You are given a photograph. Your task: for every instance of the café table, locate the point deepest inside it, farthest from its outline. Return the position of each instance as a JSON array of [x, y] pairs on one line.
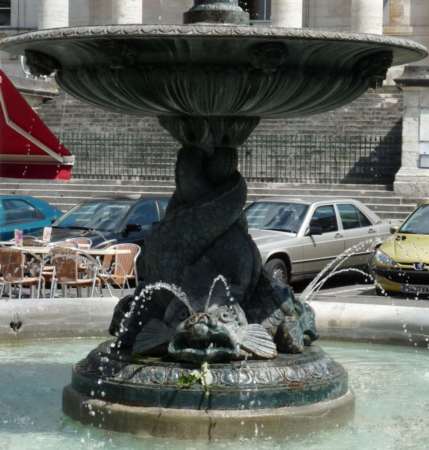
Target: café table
[[92, 252]]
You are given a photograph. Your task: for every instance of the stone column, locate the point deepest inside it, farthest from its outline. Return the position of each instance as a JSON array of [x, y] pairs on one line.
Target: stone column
[[114, 12], [287, 13], [412, 180], [53, 13], [127, 11], [367, 16]]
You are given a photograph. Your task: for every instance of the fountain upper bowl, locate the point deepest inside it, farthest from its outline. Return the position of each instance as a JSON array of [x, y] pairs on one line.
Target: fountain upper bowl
[[212, 70]]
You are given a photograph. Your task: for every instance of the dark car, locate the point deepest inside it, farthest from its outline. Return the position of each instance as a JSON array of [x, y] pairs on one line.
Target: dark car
[[119, 219], [25, 213]]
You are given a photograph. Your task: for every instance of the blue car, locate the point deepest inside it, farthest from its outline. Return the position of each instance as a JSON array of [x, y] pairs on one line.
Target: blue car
[[24, 213]]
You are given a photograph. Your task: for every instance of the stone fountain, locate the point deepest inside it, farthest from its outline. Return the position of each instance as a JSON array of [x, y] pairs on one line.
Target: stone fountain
[[209, 347]]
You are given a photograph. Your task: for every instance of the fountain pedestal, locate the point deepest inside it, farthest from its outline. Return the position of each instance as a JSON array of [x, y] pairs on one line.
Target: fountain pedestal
[[216, 11], [285, 396]]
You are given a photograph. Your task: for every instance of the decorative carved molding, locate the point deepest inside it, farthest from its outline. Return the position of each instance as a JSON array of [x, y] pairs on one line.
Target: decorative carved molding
[[415, 50], [292, 380]]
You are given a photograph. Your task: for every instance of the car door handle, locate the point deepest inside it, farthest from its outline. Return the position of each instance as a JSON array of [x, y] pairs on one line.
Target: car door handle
[[338, 235], [371, 231]]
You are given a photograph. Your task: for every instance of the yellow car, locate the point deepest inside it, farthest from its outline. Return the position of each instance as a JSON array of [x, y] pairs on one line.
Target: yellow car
[[401, 263]]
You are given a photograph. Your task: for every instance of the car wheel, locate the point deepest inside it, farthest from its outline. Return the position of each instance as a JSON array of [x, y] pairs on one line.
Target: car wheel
[[380, 292], [277, 270]]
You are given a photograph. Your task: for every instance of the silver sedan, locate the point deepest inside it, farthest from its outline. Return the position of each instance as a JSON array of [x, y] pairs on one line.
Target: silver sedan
[[297, 239]]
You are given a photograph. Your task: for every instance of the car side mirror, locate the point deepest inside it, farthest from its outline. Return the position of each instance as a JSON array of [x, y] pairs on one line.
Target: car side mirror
[[132, 228], [394, 229], [314, 230]]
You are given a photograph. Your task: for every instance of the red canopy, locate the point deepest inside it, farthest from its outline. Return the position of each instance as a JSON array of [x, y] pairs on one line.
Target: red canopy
[[28, 148]]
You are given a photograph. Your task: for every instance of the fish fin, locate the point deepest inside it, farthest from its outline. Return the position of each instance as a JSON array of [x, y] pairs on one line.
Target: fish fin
[[153, 334], [258, 341]]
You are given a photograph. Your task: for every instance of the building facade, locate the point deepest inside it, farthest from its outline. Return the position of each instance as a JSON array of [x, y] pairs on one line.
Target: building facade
[[398, 110]]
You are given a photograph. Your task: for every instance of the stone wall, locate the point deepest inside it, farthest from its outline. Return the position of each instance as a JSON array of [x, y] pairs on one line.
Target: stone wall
[[375, 113], [320, 148]]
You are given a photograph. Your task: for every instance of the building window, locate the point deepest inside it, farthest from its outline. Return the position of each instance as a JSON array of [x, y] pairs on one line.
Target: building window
[[5, 13], [259, 10], [386, 11]]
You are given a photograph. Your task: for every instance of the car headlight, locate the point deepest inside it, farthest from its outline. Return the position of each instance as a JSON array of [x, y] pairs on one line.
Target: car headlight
[[383, 259]]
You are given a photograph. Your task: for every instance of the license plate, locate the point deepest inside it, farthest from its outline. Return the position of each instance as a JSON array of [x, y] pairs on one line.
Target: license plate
[[414, 289]]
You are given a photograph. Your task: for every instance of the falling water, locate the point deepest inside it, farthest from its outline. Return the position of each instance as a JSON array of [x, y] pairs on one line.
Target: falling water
[[320, 284], [219, 278], [175, 290], [334, 265]]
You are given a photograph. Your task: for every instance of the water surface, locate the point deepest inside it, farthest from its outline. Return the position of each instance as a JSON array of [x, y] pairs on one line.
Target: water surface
[[391, 385]]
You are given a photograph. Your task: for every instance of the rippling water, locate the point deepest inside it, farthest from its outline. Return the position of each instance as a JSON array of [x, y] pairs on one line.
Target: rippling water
[[391, 385]]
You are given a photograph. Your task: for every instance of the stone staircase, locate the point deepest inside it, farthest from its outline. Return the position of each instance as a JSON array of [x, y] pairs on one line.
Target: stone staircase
[[380, 198]]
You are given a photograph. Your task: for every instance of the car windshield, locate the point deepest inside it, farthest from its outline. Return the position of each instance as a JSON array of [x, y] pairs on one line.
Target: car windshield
[[418, 223], [278, 216], [102, 216]]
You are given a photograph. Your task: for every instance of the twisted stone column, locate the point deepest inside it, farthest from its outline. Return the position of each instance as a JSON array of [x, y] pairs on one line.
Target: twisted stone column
[[204, 232]]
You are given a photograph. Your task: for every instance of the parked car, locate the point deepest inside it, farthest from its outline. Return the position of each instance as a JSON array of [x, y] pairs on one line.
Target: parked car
[[297, 239], [25, 213], [115, 219], [120, 219], [401, 263]]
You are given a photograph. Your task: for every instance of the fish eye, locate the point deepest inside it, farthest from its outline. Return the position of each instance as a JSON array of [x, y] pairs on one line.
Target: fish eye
[[183, 315], [226, 316]]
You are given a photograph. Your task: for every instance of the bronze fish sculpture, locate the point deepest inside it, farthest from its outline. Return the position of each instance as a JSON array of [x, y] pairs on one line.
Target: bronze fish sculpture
[[213, 330], [221, 333]]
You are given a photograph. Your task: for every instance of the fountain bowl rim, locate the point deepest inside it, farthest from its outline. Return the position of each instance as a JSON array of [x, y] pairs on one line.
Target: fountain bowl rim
[[17, 44]]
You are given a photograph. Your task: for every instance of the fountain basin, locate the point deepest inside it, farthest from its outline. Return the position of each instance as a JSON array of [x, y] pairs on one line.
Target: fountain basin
[[390, 385], [209, 85], [212, 70]]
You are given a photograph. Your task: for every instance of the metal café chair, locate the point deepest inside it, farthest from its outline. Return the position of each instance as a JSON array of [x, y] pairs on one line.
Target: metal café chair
[[68, 270], [15, 271], [119, 269], [49, 268]]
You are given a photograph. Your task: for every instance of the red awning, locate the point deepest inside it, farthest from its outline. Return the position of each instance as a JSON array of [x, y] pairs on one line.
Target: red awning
[[28, 148]]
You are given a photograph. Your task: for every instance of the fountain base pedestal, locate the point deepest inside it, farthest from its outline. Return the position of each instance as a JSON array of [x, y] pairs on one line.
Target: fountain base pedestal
[[285, 396]]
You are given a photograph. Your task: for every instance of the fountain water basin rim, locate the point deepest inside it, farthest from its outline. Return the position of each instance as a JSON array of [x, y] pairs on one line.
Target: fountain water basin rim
[[208, 425], [368, 318], [17, 43]]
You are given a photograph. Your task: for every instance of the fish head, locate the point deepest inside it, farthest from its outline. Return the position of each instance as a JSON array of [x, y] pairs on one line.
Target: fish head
[[211, 336]]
